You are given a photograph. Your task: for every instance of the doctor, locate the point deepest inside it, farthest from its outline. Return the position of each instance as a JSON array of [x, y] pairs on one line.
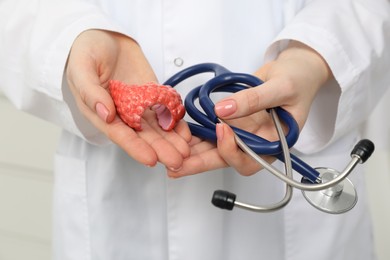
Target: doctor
[[112, 196]]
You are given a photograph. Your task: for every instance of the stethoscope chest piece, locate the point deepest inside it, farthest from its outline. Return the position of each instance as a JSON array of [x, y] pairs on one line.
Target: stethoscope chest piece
[[337, 199]]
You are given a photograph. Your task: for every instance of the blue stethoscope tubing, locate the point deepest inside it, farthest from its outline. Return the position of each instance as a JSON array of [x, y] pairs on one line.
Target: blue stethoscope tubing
[[226, 81]]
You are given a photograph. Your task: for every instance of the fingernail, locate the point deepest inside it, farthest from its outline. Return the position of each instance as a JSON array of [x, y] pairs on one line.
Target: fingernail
[[175, 169], [102, 111], [225, 108], [219, 130]]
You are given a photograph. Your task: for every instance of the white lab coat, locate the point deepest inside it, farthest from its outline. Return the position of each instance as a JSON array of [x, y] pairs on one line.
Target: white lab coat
[[106, 206]]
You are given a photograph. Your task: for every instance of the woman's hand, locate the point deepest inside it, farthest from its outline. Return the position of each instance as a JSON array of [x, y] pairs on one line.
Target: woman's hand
[[98, 56], [291, 81]]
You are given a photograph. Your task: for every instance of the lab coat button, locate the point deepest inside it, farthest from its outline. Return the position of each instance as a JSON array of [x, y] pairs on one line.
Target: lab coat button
[[178, 62]]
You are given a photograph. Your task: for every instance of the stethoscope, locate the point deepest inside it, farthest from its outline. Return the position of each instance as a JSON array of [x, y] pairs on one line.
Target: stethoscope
[[324, 188]]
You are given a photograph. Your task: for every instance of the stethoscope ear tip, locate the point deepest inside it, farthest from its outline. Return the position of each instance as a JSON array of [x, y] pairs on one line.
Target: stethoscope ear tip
[[363, 149], [223, 199]]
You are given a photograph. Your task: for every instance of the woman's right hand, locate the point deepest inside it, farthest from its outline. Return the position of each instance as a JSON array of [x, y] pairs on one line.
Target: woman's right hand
[[98, 56]]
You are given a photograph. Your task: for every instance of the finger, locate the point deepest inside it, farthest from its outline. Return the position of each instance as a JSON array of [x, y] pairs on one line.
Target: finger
[[204, 157], [170, 153], [175, 140], [201, 147], [232, 154], [129, 141], [195, 140], [183, 130], [270, 94], [199, 163]]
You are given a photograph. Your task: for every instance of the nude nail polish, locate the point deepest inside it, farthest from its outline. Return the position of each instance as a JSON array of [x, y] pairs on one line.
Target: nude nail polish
[[102, 111], [225, 108]]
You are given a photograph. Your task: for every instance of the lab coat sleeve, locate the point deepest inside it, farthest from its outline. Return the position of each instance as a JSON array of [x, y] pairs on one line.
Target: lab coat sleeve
[[35, 39], [353, 36]]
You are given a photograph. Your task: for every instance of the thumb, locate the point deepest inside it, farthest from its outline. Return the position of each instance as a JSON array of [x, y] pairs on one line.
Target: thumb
[[103, 106], [249, 101], [91, 95]]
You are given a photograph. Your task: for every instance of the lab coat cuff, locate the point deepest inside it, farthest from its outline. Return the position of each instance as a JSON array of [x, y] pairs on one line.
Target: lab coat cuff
[[318, 39], [60, 49]]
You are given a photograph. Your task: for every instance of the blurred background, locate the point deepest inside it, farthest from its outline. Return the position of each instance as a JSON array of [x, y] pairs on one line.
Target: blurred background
[[27, 145]]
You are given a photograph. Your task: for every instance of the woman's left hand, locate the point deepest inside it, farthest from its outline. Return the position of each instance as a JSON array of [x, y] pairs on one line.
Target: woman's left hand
[[291, 81]]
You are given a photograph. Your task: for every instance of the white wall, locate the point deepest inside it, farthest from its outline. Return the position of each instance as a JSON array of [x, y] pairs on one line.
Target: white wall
[[26, 148]]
